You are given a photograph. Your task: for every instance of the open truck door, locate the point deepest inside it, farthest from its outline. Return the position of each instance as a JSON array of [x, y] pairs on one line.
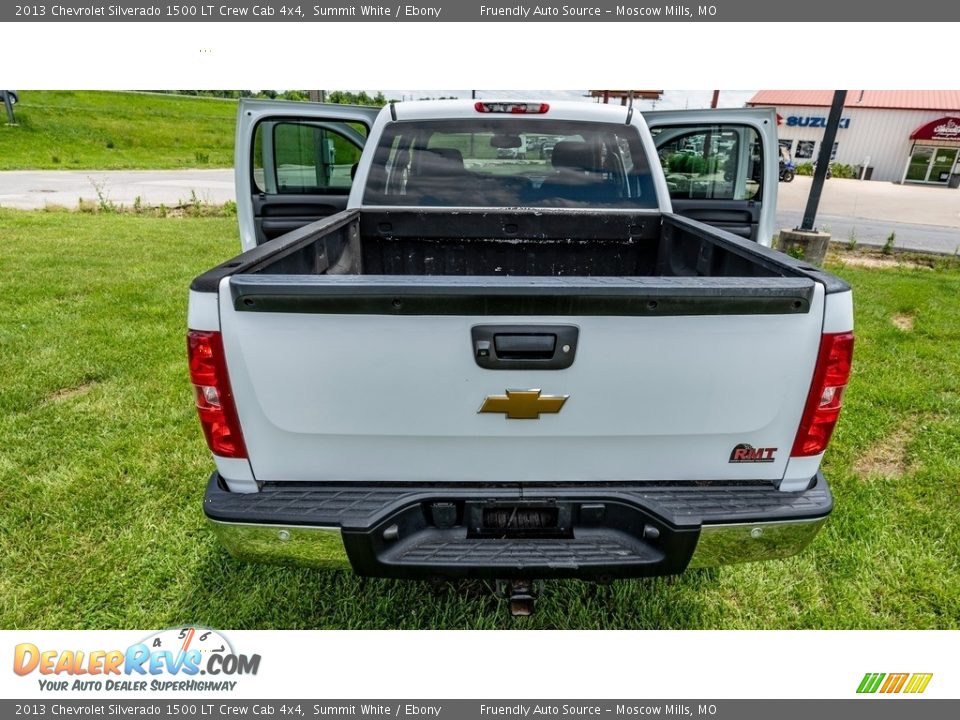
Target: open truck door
[[721, 167], [294, 163]]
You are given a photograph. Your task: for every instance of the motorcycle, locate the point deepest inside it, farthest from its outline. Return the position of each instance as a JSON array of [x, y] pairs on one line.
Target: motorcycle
[[788, 170]]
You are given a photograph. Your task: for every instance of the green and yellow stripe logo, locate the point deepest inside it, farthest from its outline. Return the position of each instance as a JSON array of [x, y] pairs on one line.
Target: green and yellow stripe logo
[[894, 683]]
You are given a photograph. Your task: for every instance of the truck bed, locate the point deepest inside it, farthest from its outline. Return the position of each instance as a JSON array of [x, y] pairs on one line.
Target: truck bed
[[519, 243]]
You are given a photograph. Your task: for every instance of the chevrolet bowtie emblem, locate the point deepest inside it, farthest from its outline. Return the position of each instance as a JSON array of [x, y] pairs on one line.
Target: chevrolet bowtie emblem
[[523, 404]]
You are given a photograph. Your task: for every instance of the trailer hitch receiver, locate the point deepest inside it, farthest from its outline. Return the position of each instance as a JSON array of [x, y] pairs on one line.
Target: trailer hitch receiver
[[521, 594]]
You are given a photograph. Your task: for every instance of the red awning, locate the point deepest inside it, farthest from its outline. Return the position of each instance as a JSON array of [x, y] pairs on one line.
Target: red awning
[[945, 128]]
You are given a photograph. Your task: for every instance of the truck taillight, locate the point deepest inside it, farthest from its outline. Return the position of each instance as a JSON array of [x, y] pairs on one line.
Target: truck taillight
[[822, 410], [211, 385], [513, 108]]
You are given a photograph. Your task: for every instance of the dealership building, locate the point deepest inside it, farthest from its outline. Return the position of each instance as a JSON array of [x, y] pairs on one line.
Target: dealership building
[[910, 136]]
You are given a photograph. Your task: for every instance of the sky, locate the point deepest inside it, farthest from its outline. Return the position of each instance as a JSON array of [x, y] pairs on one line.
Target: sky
[[671, 100]]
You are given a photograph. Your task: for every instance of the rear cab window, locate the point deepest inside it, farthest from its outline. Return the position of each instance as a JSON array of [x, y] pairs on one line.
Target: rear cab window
[[499, 162]]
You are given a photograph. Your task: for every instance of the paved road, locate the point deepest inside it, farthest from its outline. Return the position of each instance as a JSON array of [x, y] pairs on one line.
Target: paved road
[[910, 236], [911, 204], [924, 218], [29, 189]]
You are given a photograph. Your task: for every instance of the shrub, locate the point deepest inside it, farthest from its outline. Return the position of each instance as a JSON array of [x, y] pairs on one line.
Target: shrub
[[852, 239], [840, 170], [888, 245], [676, 162], [692, 164]]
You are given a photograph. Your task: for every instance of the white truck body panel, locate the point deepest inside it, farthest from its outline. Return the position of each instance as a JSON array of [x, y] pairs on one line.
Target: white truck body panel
[[388, 398], [236, 473], [838, 315], [203, 311]]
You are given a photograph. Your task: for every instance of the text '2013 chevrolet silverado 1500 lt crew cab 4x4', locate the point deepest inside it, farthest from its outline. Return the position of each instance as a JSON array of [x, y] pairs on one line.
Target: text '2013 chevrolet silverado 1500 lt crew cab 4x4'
[[437, 359]]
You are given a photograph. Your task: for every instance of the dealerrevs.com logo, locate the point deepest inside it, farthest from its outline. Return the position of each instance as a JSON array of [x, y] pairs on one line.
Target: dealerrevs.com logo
[[170, 660]]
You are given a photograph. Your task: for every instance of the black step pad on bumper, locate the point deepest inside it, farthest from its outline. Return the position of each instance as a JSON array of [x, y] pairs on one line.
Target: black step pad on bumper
[[559, 553], [604, 552], [610, 539], [357, 506]]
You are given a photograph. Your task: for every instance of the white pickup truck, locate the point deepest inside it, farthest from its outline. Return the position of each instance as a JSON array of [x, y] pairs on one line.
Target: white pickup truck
[[435, 361]]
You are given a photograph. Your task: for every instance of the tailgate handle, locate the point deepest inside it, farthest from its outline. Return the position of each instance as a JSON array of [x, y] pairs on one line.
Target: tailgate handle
[[524, 347]]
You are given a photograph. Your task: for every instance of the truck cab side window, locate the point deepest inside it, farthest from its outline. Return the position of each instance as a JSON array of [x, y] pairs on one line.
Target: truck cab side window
[[717, 161], [306, 157]]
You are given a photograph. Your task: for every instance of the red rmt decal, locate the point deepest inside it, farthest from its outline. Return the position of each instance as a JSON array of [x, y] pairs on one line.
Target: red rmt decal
[[744, 453]]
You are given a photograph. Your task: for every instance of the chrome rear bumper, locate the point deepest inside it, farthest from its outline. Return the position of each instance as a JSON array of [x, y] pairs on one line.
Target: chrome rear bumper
[[584, 530], [751, 542], [322, 547], [318, 547]]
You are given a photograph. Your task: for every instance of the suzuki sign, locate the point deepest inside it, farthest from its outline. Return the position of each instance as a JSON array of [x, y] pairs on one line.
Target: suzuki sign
[[813, 121]]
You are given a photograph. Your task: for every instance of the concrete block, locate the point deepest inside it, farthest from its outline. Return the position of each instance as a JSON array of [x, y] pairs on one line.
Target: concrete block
[[809, 245]]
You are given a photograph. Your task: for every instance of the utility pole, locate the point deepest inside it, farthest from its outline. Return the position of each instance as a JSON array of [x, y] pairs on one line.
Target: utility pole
[[823, 159], [805, 242], [716, 99]]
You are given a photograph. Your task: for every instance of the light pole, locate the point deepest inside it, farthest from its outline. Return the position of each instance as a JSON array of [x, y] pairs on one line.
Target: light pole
[[823, 159], [805, 242]]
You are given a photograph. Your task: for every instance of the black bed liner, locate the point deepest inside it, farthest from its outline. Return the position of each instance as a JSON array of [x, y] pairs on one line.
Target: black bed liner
[[424, 245]]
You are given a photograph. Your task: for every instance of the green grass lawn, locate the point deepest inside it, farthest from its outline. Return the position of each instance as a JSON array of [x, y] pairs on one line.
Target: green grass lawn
[[102, 467], [73, 130]]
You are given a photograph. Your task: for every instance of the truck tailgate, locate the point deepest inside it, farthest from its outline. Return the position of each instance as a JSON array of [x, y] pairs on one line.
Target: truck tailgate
[[366, 378]]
